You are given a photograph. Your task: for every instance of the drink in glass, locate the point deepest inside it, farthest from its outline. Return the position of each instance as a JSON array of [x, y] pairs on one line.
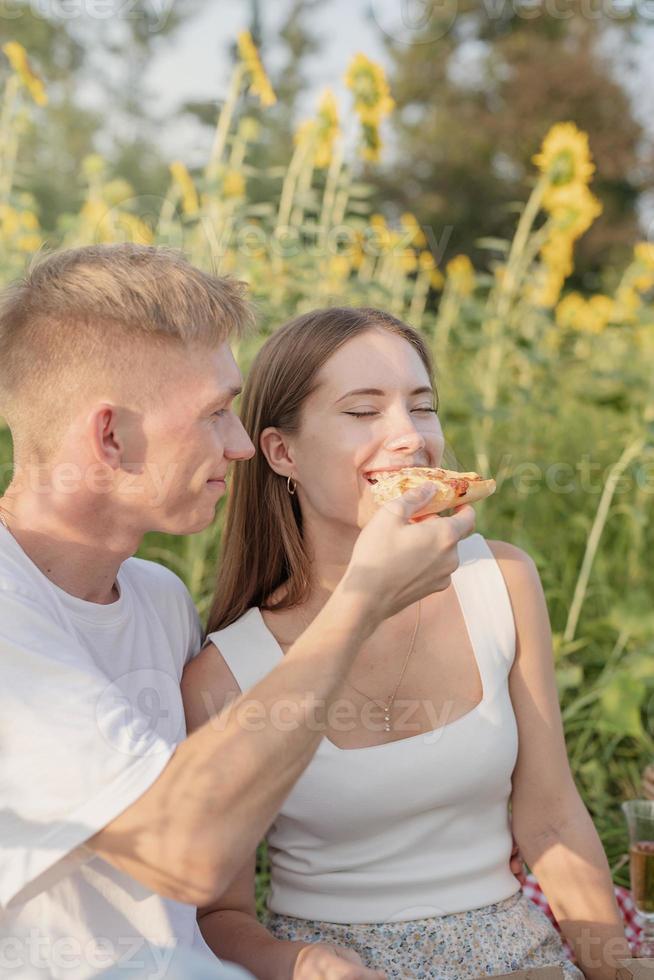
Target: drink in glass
[[639, 815]]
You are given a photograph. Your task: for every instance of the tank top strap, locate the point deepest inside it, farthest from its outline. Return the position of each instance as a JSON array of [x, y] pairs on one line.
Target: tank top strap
[[248, 648], [487, 611], [251, 651]]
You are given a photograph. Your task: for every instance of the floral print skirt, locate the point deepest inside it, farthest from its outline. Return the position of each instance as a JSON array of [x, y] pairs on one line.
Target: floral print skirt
[[509, 935]]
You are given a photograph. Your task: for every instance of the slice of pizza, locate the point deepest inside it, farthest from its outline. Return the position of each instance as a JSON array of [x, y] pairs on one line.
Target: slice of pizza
[[452, 488]]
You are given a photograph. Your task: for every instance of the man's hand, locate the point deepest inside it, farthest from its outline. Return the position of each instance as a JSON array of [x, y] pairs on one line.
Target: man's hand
[[397, 562], [321, 961]]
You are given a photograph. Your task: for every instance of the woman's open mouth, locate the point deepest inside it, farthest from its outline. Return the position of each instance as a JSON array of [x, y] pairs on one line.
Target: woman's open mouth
[[374, 476]]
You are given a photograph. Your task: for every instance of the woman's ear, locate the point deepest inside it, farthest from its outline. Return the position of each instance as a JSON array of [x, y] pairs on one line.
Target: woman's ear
[[274, 446]]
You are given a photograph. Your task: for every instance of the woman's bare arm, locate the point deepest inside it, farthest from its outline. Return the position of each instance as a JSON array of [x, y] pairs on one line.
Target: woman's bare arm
[[550, 822]]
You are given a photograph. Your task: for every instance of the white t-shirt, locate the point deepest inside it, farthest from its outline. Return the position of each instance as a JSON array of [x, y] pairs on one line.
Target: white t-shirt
[[90, 714]]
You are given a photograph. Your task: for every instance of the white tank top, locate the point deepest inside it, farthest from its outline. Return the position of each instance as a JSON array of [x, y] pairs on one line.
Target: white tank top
[[407, 829]]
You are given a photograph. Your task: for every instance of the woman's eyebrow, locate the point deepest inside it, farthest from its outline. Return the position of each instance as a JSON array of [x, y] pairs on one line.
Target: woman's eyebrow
[[424, 390]]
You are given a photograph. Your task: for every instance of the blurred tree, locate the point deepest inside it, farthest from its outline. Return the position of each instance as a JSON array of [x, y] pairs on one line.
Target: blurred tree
[[299, 43], [294, 43], [93, 68], [475, 96]]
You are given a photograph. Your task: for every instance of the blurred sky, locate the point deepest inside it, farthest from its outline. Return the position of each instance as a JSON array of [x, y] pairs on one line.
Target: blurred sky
[[195, 63]]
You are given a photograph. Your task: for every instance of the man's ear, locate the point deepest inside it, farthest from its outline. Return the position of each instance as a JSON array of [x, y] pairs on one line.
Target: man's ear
[[274, 445], [105, 435], [117, 438]]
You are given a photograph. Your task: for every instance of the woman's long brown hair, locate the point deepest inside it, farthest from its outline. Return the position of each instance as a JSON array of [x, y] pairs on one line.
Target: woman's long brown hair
[[262, 545]]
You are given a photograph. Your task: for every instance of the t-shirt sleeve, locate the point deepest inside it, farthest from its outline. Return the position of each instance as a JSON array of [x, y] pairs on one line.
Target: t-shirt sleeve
[[179, 612], [196, 632], [74, 751]]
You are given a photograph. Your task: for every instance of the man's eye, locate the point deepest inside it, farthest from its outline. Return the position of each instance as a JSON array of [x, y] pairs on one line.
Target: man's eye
[[360, 415], [219, 414]]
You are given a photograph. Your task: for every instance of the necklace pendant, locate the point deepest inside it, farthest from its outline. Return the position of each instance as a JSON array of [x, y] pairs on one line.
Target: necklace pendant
[[387, 720]]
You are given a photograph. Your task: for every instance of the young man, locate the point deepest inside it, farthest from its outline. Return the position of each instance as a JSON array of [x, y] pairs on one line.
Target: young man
[[117, 383]]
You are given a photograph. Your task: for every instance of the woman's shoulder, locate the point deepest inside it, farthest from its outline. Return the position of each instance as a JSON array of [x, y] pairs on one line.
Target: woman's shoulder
[[476, 546], [208, 683], [517, 567], [503, 551], [208, 686]]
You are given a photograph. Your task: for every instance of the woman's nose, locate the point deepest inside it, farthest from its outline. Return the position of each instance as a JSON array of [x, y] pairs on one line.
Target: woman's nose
[[409, 439]]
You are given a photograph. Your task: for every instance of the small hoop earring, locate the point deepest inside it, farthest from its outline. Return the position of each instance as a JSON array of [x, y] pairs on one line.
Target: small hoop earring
[[288, 486]]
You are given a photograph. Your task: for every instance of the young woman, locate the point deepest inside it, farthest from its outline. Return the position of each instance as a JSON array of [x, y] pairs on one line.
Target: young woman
[[395, 843]]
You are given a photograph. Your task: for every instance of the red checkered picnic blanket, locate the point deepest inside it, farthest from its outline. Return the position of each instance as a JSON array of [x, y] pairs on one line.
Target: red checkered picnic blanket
[[632, 930]]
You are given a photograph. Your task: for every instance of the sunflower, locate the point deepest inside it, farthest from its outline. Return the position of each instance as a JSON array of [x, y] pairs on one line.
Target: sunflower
[[29, 243], [248, 129], [116, 192], [644, 254], [565, 157], [259, 81], [137, 231], [546, 286], [93, 165], [427, 267], [378, 236], [9, 221], [628, 303], [367, 81], [372, 101], [20, 229], [556, 255], [233, 183], [327, 128], [339, 267], [19, 61], [566, 167], [569, 310], [585, 315], [639, 275], [408, 261], [322, 131], [410, 223], [461, 275], [573, 209], [184, 181]]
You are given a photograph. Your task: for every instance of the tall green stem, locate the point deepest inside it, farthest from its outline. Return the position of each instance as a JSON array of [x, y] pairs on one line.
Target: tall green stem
[[495, 325], [631, 452], [8, 139], [225, 119]]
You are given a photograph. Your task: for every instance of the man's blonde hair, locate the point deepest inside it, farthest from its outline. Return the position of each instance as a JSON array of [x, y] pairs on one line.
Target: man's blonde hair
[[94, 319]]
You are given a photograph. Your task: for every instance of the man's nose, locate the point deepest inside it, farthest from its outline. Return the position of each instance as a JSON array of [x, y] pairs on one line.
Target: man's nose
[[240, 445]]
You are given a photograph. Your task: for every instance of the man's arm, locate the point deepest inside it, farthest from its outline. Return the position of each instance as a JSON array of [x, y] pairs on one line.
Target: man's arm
[[192, 830], [229, 925], [189, 834]]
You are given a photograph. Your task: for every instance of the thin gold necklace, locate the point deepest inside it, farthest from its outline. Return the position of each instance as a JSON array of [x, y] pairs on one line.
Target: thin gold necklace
[[389, 704]]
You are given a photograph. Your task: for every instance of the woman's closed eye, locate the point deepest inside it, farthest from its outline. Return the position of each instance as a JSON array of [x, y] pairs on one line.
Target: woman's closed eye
[[361, 415]]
